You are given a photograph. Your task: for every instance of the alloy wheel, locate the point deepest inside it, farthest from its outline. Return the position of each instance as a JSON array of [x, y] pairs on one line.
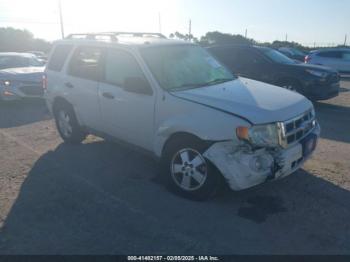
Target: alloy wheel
[[189, 169]]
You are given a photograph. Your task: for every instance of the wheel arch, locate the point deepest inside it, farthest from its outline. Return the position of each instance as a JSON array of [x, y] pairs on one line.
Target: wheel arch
[[61, 101], [177, 136]]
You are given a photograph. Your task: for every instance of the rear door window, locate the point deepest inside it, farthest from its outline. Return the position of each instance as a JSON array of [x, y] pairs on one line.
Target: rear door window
[[59, 57], [227, 56], [86, 63], [331, 54], [249, 58]]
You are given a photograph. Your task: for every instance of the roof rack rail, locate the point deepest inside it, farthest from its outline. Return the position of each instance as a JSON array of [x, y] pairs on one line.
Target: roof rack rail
[[139, 34], [93, 36]]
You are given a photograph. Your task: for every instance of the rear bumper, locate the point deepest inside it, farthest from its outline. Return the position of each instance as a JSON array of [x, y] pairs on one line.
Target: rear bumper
[[237, 165]]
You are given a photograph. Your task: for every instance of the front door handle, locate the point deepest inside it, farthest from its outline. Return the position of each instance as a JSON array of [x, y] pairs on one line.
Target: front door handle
[[69, 85], [108, 95]]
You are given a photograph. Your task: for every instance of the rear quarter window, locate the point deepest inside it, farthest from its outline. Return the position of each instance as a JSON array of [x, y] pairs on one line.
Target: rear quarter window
[[58, 57], [330, 54]]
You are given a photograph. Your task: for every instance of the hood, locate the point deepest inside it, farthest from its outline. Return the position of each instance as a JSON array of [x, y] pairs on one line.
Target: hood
[[258, 102], [22, 73]]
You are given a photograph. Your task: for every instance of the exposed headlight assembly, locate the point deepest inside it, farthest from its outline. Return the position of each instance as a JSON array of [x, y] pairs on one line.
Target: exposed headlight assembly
[[260, 135]]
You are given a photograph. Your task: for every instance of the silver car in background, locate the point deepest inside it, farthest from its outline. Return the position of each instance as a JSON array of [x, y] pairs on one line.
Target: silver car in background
[[336, 58], [21, 76]]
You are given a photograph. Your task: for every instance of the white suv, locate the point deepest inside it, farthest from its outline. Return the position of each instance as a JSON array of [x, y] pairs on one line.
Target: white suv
[[173, 99]]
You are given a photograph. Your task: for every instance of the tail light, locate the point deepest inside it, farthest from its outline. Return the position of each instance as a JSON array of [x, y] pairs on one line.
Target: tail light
[[44, 82], [307, 59]]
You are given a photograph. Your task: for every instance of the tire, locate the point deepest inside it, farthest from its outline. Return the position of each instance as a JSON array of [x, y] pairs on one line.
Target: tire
[[67, 124], [186, 170]]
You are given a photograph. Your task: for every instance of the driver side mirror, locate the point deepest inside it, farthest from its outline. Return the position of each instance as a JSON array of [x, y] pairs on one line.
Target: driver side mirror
[[138, 85]]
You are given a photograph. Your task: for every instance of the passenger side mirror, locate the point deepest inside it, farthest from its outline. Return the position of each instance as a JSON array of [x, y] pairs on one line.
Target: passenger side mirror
[[137, 85]]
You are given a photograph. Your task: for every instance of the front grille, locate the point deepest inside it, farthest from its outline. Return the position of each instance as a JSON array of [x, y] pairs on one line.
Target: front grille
[[296, 129], [32, 90]]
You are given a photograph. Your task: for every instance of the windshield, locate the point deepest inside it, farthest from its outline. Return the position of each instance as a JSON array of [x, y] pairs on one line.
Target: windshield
[[277, 56], [184, 67], [18, 61]]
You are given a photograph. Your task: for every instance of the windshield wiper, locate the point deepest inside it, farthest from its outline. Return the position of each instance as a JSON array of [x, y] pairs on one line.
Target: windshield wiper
[[218, 81], [196, 85], [188, 86]]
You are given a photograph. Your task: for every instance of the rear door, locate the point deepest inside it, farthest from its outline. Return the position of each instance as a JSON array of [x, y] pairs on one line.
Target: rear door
[[126, 115], [81, 84], [252, 65]]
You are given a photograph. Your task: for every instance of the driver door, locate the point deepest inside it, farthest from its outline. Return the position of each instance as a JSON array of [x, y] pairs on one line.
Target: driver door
[[126, 115]]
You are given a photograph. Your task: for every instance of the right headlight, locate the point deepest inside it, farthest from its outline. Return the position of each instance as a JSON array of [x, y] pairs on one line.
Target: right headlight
[[260, 135]]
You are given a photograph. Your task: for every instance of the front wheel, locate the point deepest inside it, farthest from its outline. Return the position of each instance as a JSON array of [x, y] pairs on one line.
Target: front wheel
[[188, 172]]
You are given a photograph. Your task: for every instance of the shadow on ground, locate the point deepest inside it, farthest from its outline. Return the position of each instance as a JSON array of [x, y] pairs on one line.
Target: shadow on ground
[[334, 121], [99, 198], [23, 112]]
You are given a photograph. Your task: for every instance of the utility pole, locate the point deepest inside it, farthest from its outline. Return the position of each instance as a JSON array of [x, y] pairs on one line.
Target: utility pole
[[246, 33], [346, 38], [286, 37], [190, 30], [61, 18], [159, 23]]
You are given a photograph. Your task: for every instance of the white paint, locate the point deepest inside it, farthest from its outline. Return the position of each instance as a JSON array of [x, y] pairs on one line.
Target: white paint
[[211, 113]]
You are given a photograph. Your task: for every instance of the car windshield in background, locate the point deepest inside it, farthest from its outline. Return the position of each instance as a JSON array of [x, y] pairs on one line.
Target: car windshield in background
[[18, 61], [184, 67], [277, 57], [297, 52]]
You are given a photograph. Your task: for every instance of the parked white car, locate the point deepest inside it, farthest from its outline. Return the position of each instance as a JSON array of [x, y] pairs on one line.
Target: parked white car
[[174, 100], [336, 58]]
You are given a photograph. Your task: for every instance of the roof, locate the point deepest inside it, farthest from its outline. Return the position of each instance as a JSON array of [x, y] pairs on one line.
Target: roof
[[125, 39], [331, 49]]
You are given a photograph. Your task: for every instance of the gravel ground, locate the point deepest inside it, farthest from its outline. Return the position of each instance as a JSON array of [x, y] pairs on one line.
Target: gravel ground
[[102, 198]]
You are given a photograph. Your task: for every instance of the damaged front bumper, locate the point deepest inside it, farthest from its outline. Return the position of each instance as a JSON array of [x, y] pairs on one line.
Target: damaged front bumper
[[245, 168]]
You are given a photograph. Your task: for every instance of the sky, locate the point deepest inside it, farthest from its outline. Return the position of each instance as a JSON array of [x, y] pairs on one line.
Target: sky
[[304, 21]]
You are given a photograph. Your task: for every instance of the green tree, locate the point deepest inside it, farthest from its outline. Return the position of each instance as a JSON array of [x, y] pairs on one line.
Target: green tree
[[218, 38], [17, 40]]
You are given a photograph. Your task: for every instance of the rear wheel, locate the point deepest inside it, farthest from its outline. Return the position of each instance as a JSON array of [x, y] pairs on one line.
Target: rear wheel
[[188, 172], [67, 125]]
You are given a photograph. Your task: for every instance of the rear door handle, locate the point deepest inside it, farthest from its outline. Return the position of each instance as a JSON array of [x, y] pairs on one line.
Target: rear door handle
[[69, 85], [108, 95]]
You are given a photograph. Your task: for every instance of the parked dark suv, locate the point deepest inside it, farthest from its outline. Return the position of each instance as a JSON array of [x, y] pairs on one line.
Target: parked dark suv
[[270, 66]]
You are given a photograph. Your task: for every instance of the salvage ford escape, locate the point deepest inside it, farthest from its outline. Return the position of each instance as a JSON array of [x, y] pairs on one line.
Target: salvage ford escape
[[173, 99]]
